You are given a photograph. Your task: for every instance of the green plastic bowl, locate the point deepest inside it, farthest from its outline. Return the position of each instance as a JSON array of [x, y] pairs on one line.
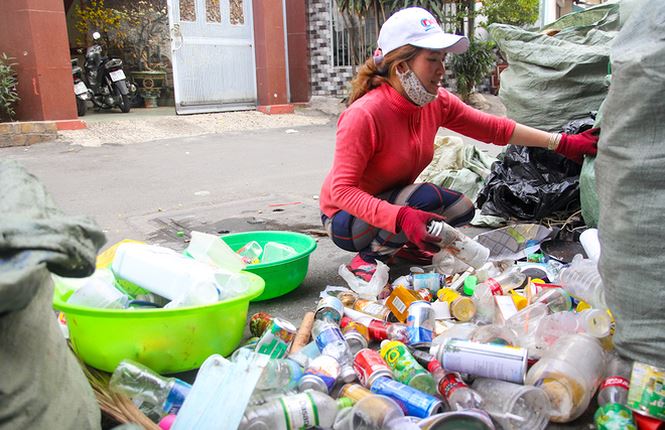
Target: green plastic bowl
[[166, 340], [281, 276]]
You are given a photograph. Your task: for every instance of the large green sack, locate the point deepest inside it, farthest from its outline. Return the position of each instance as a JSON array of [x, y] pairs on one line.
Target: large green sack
[[42, 385], [630, 172], [551, 79]]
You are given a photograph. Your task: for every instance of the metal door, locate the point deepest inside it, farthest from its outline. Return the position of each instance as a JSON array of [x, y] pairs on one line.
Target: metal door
[[212, 45]]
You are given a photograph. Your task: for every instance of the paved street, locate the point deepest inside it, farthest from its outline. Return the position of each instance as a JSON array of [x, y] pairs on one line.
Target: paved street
[[265, 179]]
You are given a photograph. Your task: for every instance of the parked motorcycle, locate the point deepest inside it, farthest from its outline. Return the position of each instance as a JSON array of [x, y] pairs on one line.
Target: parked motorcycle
[[80, 88], [107, 83]]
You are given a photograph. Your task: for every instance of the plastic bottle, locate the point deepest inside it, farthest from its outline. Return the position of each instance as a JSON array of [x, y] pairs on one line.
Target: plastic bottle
[[160, 394], [614, 388], [569, 372], [450, 385], [556, 299], [300, 411], [321, 375], [306, 354], [582, 280], [525, 323], [502, 284], [280, 374], [330, 341], [594, 322], [461, 246]]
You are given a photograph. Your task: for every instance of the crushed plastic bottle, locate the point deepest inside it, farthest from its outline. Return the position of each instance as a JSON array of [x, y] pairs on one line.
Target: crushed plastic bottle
[[582, 281], [502, 284], [157, 393]]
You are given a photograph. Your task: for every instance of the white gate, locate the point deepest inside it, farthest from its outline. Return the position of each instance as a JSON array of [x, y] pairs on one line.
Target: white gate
[[212, 42]]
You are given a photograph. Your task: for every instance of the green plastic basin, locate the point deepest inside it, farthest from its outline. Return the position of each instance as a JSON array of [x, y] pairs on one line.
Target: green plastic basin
[[166, 340], [281, 276]]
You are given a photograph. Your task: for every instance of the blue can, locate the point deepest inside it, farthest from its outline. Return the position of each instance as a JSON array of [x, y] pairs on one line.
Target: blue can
[[414, 402], [420, 323]]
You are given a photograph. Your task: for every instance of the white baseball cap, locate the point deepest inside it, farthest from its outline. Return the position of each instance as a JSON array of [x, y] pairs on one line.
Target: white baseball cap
[[415, 26]]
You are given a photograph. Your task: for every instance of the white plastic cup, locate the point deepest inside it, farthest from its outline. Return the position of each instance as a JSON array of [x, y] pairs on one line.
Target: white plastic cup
[[514, 406], [210, 249], [273, 251], [98, 293], [591, 244]]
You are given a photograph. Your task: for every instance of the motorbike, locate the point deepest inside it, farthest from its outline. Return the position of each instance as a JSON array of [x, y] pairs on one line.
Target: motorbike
[[107, 83], [80, 88]]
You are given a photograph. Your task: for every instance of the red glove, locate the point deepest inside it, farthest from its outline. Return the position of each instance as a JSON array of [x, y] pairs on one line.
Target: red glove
[[413, 223], [576, 146]]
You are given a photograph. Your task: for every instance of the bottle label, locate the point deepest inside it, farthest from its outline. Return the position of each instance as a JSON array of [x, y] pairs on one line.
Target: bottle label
[[614, 416], [176, 397], [495, 287], [616, 381], [449, 384], [300, 411], [329, 336]]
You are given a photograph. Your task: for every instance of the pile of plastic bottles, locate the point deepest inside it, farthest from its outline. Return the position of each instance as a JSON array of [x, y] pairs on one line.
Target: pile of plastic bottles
[[506, 345]]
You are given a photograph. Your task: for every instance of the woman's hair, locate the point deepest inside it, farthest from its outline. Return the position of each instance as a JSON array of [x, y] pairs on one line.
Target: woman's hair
[[371, 75]]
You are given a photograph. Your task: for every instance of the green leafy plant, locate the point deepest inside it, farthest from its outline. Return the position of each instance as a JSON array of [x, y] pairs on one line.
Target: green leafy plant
[[512, 12], [472, 66], [8, 88]]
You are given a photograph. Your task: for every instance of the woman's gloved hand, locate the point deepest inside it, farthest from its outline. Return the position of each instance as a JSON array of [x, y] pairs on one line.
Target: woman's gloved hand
[[576, 146], [413, 223]]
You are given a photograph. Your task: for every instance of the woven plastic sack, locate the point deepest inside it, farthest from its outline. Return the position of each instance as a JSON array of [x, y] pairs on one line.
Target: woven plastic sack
[[630, 168], [551, 79]]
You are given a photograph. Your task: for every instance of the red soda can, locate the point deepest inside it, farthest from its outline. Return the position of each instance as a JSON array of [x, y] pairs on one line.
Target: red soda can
[[369, 365], [276, 339], [259, 322]]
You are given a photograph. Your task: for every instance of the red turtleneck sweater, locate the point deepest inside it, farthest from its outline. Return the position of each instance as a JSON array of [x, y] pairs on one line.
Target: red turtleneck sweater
[[384, 142]]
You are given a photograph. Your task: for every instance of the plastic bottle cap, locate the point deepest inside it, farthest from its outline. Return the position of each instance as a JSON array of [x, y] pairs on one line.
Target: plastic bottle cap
[[470, 285], [386, 345], [520, 301], [344, 402], [166, 422]]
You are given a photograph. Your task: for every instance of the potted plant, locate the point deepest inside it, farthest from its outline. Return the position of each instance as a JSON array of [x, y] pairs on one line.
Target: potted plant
[[146, 33]]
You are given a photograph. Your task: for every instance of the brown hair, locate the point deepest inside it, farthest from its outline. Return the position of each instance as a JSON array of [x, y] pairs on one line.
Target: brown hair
[[370, 75]]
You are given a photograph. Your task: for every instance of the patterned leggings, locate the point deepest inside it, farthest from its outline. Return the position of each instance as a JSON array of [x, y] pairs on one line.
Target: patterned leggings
[[355, 235]]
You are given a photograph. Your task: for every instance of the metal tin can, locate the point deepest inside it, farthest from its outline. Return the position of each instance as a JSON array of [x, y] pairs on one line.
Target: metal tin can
[[320, 375], [420, 323], [355, 338], [405, 367], [348, 298], [259, 323], [502, 362], [425, 294], [455, 420], [330, 308], [413, 402], [276, 339], [646, 395], [369, 365], [461, 308], [354, 392]]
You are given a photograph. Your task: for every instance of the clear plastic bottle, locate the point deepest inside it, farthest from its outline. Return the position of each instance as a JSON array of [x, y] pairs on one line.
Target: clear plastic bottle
[[614, 388], [594, 322], [140, 383], [300, 411], [373, 412], [306, 354], [330, 340], [569, 372], [461, 246], [280, 374], [582, 280], [502, 284], [556, 299]]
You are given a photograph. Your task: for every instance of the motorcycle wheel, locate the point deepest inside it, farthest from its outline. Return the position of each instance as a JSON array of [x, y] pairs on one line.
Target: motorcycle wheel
[[81, 107], [125, 104]]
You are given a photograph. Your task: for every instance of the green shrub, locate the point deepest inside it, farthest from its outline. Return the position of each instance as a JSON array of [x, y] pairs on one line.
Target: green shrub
[[8, 90], [512, 12], [472, 66]]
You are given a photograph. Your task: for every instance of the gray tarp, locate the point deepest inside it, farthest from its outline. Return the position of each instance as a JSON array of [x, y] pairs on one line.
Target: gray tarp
[[552, 79], [630, 173], [41, 384]]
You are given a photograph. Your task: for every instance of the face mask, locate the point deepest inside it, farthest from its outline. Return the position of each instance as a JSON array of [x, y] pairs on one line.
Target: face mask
[[415, 90]]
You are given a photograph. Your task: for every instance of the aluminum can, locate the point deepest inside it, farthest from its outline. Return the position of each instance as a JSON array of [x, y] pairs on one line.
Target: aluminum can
[[276, 339], [414, 402], [259, 323], [355, 339], [330, 308], [354, 392], [420, 323], [369, 365], [502, 362], [320, 375], [455, 420], [461, 307], [425, 294]]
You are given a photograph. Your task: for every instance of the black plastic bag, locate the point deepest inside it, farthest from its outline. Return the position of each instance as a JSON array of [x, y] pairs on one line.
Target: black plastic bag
[[530, 184]]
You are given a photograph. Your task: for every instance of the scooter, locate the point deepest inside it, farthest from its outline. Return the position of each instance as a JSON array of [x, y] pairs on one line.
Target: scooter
[[80, 88], [106, 80]]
